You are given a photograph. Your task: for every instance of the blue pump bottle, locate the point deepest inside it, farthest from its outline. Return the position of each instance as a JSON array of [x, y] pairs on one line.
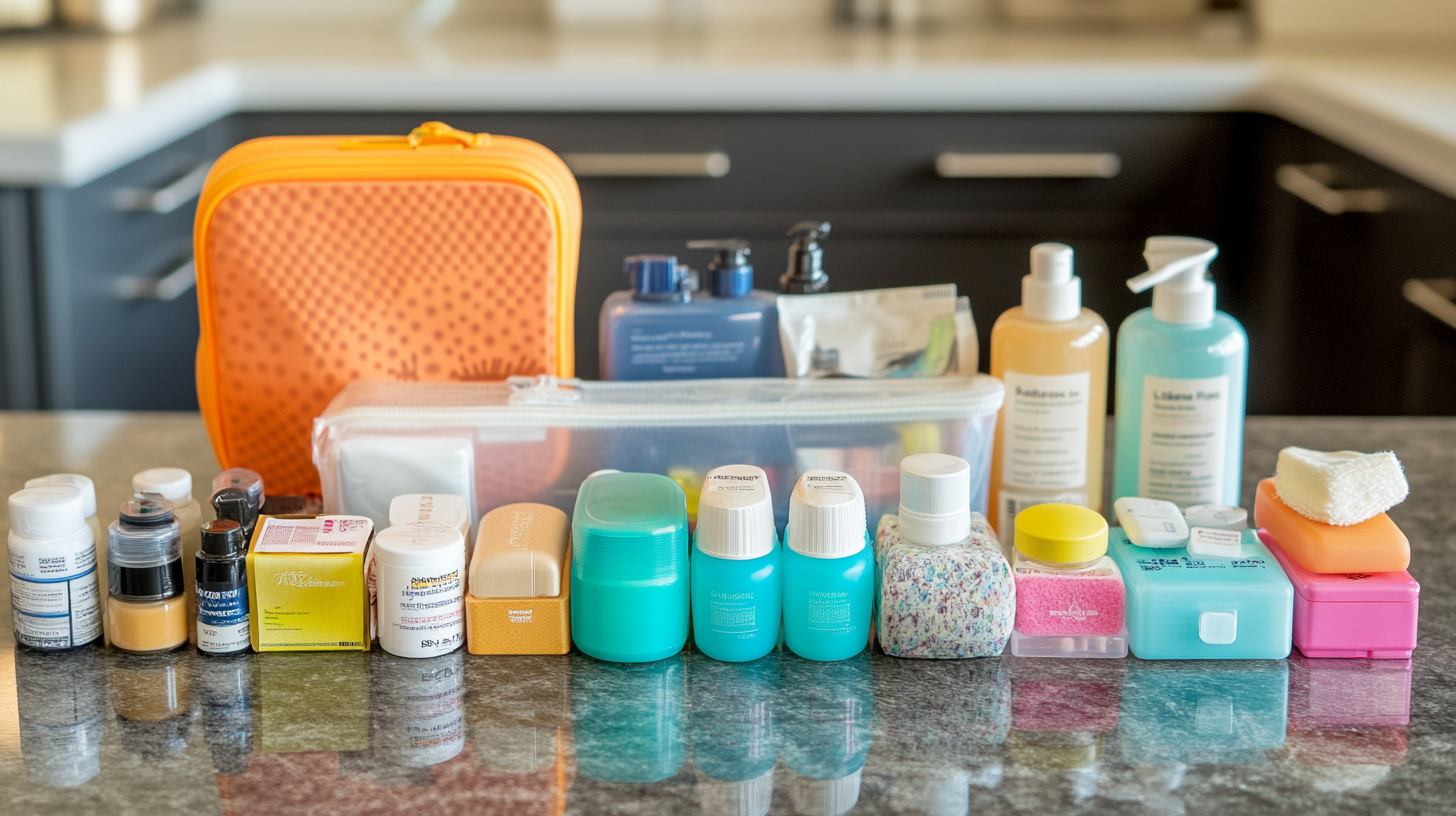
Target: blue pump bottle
[[736, 566], [661, 329], [1180, 384], [829, 576]]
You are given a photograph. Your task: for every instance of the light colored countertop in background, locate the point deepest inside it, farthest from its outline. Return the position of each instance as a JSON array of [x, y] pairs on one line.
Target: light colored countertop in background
[[74, 106]]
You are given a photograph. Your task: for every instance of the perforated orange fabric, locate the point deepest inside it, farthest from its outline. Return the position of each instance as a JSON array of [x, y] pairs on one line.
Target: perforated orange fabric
[[318, 283]]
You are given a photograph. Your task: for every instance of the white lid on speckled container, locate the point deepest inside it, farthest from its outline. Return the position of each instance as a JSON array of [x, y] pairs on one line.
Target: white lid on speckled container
[[735, 514], [935, 499], [826, 515]]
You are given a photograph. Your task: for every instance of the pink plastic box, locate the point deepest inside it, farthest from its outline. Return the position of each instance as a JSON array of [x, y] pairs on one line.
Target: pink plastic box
[[1351, 615]]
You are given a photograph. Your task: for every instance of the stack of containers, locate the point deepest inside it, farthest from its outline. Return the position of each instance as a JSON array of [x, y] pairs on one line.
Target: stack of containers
[[1323, 516]]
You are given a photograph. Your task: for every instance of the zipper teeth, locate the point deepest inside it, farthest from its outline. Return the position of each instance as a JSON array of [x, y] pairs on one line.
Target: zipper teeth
[[828, 411]]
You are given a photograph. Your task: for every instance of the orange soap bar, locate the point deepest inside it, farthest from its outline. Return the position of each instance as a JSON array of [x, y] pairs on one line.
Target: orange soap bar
[[1373, 545]]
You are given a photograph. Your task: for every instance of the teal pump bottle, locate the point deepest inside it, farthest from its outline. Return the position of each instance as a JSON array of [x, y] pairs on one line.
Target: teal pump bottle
[[735, 566], [629, 571], [1180, 384], [829, 575]]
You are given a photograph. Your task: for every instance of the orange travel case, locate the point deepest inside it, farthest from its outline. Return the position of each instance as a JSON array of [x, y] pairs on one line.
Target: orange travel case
[[441, 255]]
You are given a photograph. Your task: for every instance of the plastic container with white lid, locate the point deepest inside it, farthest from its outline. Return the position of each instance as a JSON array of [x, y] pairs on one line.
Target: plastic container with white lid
[[175, 485], [420, 574], [431, 508], [829, 581], [88, 507], [736, 566], [53, 608]]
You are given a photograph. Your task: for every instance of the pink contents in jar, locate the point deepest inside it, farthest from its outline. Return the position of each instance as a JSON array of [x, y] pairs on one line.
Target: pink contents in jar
[[1093, 602]]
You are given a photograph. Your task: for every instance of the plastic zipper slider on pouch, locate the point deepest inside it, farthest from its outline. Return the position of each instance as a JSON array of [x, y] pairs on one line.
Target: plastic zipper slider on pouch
[[544, 389]]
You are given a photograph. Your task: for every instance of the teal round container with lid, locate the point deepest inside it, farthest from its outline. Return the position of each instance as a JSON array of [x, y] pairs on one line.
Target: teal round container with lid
[[629, 568]]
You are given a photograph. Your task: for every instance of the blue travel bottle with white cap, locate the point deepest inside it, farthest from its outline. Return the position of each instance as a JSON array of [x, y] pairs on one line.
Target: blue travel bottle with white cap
[[1181, 369], [829, 576], [736, 566], [664, 329]]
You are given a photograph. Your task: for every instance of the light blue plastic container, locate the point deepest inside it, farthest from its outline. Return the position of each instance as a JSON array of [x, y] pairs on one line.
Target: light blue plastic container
[[629, 568], [1181, 370], [829, 575], [1203, 714], [736, 566], [1195, 607]]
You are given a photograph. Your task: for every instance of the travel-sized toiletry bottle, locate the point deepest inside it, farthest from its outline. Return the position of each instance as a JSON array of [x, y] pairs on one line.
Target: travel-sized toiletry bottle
[[88, 506], [234, 504], [945, 589], [629, 571], [1070, 599], [829, 581], [1052, 355], [249, 481], [1180, 384], [420, 571], [736, 565], [806, 275], [660, 330], [53, 594], [175, 485], [222, 588], [147, 610]]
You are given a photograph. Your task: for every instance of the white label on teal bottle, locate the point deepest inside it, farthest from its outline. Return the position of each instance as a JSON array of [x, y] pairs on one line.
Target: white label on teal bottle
[[1044, 437], [1184, 429], [829, 612], [732, 613]]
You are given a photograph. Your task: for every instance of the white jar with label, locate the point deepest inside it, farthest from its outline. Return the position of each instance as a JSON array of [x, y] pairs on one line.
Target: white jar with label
[[52, 554], [420, 578]]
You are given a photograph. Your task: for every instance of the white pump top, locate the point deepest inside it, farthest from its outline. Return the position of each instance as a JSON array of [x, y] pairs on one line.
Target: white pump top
[[1051, 292], [1178, 267]]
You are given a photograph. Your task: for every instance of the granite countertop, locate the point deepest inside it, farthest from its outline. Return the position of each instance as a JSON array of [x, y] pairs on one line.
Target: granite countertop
[[101, 732], [74, 106]]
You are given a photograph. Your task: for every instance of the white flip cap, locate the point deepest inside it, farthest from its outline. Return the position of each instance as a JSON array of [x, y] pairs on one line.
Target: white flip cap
[[437, 508], [735, 514], [935, 498], [173, 484], [418, 545], [1051, 292], [1151, 522], [46, 512], [1178, 268], [76, 480], [826, 515]]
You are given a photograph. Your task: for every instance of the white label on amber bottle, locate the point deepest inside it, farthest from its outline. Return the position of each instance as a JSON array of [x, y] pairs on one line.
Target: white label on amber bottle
[[1185, 425], [1044, 437]]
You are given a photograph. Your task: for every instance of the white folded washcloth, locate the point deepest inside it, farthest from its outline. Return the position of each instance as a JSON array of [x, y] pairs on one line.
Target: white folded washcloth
[[1339, 488]]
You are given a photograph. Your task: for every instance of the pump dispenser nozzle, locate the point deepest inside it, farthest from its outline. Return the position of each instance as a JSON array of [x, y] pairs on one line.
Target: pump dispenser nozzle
[[806, 275], [729, 275], [1178, 268], [1051, 292]]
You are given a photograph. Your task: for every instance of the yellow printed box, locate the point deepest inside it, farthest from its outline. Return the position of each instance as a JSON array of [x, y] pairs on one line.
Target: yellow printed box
[[306, 584], [520, 626]]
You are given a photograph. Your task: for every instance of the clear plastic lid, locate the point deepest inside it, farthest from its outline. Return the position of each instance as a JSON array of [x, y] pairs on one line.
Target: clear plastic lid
[[76, 480], [247, 480], [146, 535], [46, 512]]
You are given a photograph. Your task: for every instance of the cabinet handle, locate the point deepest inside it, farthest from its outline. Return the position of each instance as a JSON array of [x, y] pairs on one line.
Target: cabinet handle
[[1028, 165], [648, 165], [1311, 184], [163, 199], [167, 286], [1433, 297]]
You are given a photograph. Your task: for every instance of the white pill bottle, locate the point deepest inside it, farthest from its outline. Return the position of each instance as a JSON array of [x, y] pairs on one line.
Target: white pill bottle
[[420, 570], [53, 590]]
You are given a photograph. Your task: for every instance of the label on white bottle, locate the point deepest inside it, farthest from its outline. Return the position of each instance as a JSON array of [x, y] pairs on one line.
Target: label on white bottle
[[1184, 429], [1044, 436], [54, 596]]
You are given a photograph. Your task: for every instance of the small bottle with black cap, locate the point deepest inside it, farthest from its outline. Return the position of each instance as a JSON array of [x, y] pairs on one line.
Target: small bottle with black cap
[[662, 329], [236, 504], [222, 587]]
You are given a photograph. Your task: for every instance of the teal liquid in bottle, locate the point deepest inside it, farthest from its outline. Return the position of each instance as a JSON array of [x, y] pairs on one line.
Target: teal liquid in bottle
[[629, 571], [1181, 370], [736, 566], [829, 576]]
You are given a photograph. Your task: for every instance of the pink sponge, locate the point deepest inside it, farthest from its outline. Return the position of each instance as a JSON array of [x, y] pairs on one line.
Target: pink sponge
[[1092, 602]]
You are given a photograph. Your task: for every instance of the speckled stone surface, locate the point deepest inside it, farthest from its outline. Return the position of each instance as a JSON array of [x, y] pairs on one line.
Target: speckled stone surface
[[279, 735]]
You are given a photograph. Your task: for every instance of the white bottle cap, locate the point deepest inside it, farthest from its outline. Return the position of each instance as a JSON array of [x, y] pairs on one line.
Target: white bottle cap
[[826, 515], [76, 480], [46, 512], [437, 508], [1178, 267], [735, 514], [1151, 522], [1051, 292], [935, 498], [418, 545], [1217, 517], [173, 484]]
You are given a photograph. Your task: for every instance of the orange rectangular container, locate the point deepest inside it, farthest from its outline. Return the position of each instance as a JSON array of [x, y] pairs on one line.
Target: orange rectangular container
[[441, 255], [520, 626], [1373, 545]]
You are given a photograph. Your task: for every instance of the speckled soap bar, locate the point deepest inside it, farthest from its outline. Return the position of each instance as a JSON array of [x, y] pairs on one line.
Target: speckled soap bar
[[943, 602]]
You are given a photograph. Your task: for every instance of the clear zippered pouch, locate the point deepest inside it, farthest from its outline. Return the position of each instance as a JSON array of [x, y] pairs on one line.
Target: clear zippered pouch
[[535, 439]]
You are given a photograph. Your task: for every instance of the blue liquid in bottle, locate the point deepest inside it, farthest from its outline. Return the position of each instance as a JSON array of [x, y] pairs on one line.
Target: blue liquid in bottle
[[829, 576], [736, 566]]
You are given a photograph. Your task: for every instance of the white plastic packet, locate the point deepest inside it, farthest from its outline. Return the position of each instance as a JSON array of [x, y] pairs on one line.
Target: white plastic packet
[[911, 331]]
